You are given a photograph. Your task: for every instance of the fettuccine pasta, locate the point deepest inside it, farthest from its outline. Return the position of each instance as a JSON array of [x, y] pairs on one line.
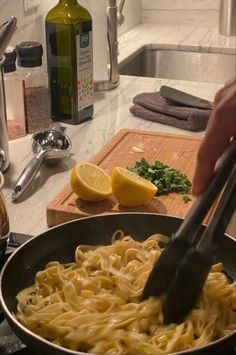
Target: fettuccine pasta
[[93, 303]]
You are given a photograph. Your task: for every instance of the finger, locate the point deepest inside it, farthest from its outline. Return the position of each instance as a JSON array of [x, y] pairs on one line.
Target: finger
[[227, 91], [214, 144]]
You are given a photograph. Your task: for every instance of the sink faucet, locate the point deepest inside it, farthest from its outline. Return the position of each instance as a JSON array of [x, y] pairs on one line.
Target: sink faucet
[[120, 16], [227, 18], [114, 19]]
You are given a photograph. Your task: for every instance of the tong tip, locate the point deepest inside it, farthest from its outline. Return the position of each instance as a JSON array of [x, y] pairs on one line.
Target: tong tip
[[185, 287]]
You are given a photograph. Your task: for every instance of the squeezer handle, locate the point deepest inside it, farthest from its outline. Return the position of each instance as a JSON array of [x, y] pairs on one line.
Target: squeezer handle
[[27, 176]]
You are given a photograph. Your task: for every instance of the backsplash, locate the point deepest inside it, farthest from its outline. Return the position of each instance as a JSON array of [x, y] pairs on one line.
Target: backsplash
[[133, 15], [31, 24], [200, 13]]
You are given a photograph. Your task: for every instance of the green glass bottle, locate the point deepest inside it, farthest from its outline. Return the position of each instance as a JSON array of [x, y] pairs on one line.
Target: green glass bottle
[[70, 62]]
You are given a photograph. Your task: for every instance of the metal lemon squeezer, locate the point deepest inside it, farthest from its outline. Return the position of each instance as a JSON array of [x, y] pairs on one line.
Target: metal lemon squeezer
[[52, 145]]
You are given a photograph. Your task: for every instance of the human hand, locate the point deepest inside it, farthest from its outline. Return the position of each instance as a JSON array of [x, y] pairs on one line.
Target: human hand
[[220, 129]]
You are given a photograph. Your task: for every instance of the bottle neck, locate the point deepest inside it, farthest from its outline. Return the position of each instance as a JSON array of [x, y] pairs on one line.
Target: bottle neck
[[68, 2]]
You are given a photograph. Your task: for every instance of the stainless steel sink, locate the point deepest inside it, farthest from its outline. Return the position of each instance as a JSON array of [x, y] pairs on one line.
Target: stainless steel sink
[[180, 65]]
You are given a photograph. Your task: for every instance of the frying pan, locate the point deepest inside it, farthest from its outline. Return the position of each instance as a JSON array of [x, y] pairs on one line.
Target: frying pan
[[59, 243]]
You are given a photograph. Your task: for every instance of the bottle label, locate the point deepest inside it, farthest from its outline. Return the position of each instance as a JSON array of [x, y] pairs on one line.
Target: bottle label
[[84, 46]]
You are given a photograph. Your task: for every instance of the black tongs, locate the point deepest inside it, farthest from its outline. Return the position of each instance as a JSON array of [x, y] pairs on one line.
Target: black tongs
[[184, 264]]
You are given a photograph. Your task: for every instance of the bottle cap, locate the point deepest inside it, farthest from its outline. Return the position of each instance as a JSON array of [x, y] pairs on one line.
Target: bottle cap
[[9, 64], [29, 54]]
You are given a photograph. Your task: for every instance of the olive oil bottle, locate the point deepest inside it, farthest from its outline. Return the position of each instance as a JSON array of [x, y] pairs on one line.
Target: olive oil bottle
[[70, 62]]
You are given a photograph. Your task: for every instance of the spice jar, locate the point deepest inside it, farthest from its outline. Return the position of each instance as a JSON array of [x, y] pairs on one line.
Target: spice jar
[[14, 94], [29, 59]]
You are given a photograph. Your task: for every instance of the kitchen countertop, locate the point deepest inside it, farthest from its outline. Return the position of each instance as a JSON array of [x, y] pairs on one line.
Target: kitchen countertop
[[28, 216], [199, 39]]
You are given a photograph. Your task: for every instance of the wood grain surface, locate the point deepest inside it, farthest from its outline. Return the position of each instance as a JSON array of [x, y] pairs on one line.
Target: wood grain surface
[[124, 149]]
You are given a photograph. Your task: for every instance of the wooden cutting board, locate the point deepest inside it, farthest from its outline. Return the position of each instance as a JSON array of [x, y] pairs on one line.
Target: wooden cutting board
[[124, 149]]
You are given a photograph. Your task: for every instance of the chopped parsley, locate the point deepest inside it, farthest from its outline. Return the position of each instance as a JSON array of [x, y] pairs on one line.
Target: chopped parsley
[[165, 178], [186, 199]]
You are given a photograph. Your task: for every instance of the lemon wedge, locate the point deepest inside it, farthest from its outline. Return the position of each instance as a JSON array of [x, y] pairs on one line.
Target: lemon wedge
[[90, 182], [131, 189]]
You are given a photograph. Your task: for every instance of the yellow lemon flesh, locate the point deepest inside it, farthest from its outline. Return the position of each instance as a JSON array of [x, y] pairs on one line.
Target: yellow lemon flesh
[[131, 189], [90, 182]]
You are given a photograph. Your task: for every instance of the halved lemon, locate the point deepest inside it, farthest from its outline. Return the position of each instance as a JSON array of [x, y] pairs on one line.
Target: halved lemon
[[131, 189], [90, 182]]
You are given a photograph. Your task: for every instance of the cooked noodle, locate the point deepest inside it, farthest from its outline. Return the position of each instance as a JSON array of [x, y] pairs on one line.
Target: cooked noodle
[[93, 304]]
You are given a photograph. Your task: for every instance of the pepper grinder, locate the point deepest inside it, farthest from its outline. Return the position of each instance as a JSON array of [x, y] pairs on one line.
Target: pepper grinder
[[29, 59]]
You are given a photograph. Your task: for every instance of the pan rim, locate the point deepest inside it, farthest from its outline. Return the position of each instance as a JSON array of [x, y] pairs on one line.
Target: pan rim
[[11, 316]]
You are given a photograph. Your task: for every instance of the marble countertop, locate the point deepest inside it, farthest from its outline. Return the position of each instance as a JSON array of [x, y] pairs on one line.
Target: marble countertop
[[183, 38], [111, 114]]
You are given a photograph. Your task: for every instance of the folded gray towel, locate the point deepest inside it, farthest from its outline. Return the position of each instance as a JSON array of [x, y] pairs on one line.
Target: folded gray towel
[[154, 107]]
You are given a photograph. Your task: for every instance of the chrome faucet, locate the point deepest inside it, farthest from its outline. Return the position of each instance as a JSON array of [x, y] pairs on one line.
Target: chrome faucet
[[114, 19], [120, 16], [227, 18]]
